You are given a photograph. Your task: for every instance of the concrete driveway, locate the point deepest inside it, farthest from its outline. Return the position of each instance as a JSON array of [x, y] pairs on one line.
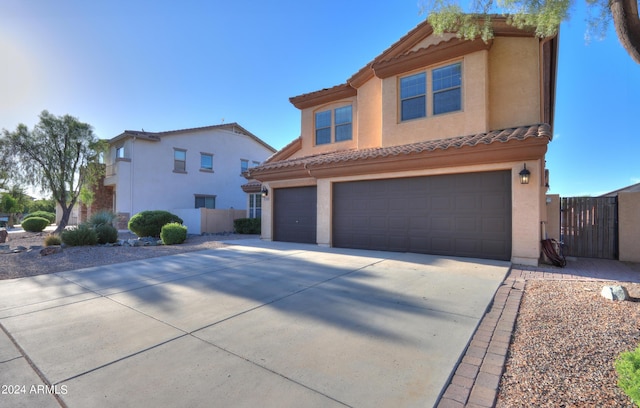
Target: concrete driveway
[[257, 323]]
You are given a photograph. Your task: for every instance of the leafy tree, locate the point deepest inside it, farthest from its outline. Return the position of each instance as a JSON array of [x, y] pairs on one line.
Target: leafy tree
[[544, 16], [13, 202], [57, 155], [41, 205], [9, 205]]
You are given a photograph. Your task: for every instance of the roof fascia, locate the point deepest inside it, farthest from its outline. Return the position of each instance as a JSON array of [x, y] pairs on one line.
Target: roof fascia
[[514, 150], [453, 48], [323, 96]]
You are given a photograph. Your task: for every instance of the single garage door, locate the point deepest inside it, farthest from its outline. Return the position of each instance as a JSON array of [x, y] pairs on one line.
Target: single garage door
[[294, 214], [457, 215]]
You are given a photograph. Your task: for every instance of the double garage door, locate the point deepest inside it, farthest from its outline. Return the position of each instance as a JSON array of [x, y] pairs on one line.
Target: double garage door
[[457, 215]]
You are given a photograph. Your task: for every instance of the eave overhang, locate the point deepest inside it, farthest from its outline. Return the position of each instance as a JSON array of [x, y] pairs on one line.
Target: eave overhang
[[520, 144], [323, 96], [453, 48]]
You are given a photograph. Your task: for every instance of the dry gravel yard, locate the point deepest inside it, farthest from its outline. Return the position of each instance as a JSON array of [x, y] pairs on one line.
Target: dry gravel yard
[[566, 340], [564, 346]]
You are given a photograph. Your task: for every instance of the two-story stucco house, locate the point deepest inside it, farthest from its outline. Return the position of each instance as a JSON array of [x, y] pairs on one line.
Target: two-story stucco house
[[421, 151], [183, 169]]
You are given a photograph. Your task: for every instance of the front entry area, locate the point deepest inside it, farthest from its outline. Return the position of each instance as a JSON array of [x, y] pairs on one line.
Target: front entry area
[[466, 215]]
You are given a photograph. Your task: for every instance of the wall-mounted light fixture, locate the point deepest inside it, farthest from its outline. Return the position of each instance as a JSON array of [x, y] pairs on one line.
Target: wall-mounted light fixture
[[524, 175], [265, 192]]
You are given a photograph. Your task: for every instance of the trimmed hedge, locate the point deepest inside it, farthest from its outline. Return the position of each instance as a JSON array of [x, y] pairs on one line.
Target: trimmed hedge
[[150, 223], [42, 214], [173, 233], [247, 225], [35, 224]]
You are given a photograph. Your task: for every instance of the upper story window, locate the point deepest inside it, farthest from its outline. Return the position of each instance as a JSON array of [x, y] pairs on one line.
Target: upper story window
[[179, 160], [447, 89], [120, 152], [244, 165], [206, 161], [413, 96], [446, 92], [334, 125], [255, 163]]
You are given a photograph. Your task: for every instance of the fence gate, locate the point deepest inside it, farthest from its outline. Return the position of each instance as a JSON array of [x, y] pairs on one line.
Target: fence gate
[[589, 226]]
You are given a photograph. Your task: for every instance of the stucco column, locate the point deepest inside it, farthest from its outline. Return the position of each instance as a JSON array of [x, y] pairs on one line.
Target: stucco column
[[323, 231], [266, 224], [526, 204]]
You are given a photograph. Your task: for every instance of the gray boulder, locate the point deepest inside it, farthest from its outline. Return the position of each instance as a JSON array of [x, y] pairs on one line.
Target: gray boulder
[[615, 292]]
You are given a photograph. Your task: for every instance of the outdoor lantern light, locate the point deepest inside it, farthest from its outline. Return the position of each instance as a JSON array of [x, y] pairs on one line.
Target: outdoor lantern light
[[265, 192], [524, 175]]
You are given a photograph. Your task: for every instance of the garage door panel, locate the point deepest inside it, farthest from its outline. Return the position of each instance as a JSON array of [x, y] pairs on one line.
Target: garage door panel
[[294, 214], [463, 215]]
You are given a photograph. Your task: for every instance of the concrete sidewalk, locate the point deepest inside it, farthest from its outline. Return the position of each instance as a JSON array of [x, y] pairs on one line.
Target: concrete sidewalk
[[253, 324]]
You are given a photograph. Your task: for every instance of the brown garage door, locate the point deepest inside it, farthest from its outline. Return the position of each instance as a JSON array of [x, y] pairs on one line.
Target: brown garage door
[[294, 214], [458, 215]]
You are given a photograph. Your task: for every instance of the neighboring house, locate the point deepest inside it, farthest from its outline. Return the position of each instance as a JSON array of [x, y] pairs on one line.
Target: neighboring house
[[421, 151], [634, 188], [182, 170]]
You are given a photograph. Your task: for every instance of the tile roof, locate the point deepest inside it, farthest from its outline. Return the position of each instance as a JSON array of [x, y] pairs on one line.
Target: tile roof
[[496, 136]]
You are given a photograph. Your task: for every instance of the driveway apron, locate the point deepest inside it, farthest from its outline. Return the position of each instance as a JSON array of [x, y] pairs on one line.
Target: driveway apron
[[255, 323]]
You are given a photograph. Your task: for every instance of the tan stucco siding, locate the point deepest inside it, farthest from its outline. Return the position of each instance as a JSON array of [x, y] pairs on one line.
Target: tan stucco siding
[[470, 120], [308, 129], [514, 82], [629, 226], [369, 114]]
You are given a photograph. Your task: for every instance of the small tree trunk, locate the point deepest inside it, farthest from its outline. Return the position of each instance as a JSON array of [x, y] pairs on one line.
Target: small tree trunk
[[66, 214], [627, 23]]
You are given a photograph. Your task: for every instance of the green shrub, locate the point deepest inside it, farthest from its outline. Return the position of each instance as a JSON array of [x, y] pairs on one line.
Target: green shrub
[[173, 233], [247, 225], [79, 236], [628, 368], [150, 223], [107, 233], [35, 224], [102, 218], [52, 239], [42, 214]]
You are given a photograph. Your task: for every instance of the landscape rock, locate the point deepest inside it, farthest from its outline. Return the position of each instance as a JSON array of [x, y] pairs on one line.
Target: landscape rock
[[615, 292], [50, 250]]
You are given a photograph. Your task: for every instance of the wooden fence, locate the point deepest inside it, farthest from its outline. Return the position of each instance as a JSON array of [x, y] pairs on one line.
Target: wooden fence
[[589, 227]]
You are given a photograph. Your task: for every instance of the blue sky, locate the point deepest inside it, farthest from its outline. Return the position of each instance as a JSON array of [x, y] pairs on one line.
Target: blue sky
[[164, 65]]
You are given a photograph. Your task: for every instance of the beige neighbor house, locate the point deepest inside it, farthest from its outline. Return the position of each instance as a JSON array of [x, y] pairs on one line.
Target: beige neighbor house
[[185, 171], [421, 151]]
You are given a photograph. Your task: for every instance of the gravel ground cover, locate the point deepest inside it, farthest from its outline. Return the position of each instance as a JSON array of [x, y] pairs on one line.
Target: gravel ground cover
[[565, 343], [30, 262]]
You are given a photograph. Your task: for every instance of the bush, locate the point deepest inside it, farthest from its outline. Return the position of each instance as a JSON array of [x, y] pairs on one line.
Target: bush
[[150, 223], [173, 233], [102, 218], [247, 225], [107, 233], [35, 224], [52, 239], [79, 236], [628, 368], [42, 214]]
